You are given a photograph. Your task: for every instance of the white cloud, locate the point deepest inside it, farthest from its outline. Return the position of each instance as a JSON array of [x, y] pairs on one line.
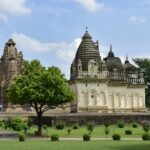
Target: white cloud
[[14, 6], [64, 51], [91, 5], [3, 17], [137, 19]]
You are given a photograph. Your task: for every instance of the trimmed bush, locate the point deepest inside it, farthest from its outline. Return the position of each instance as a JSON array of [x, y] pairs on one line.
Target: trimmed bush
[[60, 126], [55, 137], [69, 130], [90, 127], [146, 128], [44, 127], [128, 132], [134, 125], [21, 137], [146, 137], [116, 137], [106, 131], [86, 137], [120, 125], [75, 126], [106, 125]]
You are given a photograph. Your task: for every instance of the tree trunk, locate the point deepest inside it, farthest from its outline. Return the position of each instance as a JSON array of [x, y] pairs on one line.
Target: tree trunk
[[39, 115]]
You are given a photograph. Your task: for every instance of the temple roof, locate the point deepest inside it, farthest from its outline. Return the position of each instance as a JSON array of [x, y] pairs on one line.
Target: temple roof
[[87, 50], [112, 62], [10, 42]]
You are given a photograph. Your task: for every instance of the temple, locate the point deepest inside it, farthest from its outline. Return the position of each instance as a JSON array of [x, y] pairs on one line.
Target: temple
[[105, 85], [11, 64]]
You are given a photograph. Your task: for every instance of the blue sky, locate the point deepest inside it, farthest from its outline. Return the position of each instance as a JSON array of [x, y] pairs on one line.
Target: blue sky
[[51, 30]]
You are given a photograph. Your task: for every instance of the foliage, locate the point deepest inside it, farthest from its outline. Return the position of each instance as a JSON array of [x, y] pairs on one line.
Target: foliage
[[116, 137], [134, 125], [90, 127], [69, 130], [146, 137], [29, 123], [106, 131], [146, 128], [128, 132], [144, 63], [55, 137], [41, 88], [76, 126], [21, 137], [45, 127], [60, 125], [86, 137], [121, 124]]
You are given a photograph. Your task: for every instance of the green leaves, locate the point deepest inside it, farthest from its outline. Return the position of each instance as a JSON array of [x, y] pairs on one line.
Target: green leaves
[[40, 87]]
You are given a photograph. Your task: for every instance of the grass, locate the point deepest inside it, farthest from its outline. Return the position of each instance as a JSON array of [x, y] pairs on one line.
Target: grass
[[74, 145], [99, 131]]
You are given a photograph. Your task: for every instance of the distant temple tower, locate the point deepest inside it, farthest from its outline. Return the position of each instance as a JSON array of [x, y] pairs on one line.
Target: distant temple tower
[[11, 64], [105, 85]]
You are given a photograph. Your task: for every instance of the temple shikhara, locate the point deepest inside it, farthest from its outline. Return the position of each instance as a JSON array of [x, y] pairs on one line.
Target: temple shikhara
[[11, 64], [100, 85], [105, 85]]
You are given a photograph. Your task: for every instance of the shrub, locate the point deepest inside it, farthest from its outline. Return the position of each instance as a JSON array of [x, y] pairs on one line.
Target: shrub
[[146, 137], [86, 137], [106, 125], [25, 128], [90, 127], [106, 131], [69, 130], [54, 137], [21, 137], [134, 125], [29, 123], [45, 127], [18, 126], [6, 124], [75, 126], [121, 124], [116, 137], [146, 128], [60, 126], [128, 132]]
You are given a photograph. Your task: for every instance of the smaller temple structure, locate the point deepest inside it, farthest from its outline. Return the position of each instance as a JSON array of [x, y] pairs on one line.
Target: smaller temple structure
[[11, 64], [105, 85]]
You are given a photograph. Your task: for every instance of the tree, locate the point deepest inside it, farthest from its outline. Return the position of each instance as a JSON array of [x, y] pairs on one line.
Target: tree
[[144, 63], [41, 88]]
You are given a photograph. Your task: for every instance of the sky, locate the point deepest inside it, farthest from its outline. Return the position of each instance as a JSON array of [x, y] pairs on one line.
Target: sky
[[51, 30]]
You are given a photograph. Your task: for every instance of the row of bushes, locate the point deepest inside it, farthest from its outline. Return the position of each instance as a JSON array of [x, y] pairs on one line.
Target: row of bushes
[[86, 137]]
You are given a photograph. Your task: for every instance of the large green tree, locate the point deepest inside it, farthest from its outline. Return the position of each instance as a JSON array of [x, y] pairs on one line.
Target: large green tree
[[40, 87], [144, 63]]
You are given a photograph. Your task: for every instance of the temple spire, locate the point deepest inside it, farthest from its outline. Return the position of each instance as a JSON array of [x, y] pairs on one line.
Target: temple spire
[[110, 48]]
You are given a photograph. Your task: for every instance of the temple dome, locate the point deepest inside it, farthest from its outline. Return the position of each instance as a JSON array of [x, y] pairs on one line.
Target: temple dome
[[87, 50]]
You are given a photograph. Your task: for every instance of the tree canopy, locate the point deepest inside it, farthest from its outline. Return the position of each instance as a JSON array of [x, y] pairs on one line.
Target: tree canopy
[[40, 87], [144, 63]]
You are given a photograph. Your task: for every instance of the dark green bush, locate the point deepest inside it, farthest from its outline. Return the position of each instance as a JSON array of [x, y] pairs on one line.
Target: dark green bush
[[45, 127], [75, 126], [106, 131], [21, 137], [86, 137], [60, 126], [106, 125], [90, 127], [134, 125], [54, 137], [121, 125], [18, 126], [116, 137], [69, 130], [146, 128], [146, 137], [128, 132]]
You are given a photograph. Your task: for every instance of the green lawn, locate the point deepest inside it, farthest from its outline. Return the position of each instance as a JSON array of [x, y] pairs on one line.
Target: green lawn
[[98, 131], [74, 145]]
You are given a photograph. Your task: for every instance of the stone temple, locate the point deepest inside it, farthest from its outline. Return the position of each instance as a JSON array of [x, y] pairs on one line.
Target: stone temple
[[11, 64], [105, 85]]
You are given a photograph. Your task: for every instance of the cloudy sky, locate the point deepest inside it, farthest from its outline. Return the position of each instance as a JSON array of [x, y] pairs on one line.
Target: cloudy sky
[[51, 30]]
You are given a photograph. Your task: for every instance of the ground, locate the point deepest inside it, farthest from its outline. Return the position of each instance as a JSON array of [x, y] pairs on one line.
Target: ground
[[74, 145]]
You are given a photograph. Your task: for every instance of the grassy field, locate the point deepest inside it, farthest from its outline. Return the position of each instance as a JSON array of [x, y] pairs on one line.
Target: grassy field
[[74, 145], [99, 131]]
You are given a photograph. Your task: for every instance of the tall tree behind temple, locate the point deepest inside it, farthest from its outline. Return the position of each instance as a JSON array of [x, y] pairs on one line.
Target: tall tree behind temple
[[145, 63]]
